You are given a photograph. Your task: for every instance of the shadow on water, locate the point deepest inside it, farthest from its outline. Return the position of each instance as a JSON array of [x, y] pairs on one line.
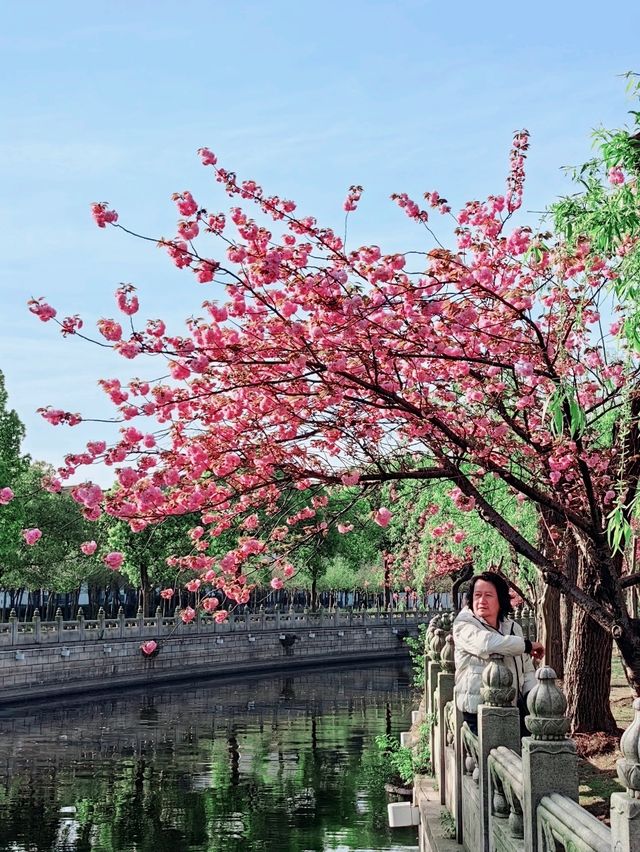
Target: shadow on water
[[276, 764]]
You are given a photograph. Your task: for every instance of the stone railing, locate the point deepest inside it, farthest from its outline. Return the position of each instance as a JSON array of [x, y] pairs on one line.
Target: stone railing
[[507, 793], [37, 632]]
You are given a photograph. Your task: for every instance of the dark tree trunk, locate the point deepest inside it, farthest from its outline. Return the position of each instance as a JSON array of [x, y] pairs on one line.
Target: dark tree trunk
[[548, 607], [566, 604], [587, 680], [387, 581], [550, 632], [145, 590], [588, 676]]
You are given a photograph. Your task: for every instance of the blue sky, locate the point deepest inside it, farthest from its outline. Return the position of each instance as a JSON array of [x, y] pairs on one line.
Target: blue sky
[[111, 101]]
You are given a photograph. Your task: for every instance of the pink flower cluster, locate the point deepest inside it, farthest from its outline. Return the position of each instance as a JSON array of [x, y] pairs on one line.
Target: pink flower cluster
[[102, 216]]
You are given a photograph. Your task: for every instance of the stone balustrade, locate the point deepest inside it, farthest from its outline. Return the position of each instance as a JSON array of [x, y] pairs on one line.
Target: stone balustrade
[[14, 633], [506, 793], [39, 659]]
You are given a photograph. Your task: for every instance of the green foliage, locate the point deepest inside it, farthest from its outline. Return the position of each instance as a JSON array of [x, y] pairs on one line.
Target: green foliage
[[606, 214], [447, 825], [146, 551], [342, 561], [422, 751], [489, 548], [416, 652], [55, 561], [402, 762]]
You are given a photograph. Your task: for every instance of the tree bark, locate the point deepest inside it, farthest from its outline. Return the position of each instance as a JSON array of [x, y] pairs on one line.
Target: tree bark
[[549, 600], [566, 604], [145, 590], [587, 682], [588, 676], [549, 625]]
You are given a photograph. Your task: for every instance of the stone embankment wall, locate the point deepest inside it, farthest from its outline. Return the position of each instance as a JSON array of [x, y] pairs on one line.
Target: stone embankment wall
[[41, 659]]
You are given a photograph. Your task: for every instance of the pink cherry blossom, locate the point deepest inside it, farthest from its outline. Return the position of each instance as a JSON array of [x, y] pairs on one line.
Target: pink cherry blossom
[[209, 604], [102, 215], [352, 478], [41, 309], [114, 560], [616, 175], [382, 517], [110, 329], [88, 547], [6, 496], [126, 300], [31, 536], [149, 647], [276, 583], [187, 615], [167, 594]]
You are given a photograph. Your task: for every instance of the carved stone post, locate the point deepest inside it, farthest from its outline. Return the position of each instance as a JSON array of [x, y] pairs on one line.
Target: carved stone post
[[625, 807], [101, 623], [446, 682], [37, 633], [13, 626], [80, 620], [59, 617], [549, 760], [498, 725], [428, 638], [436, 646]]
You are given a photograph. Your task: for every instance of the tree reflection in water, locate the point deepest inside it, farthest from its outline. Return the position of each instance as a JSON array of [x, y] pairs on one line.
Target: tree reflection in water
[[278, 764]]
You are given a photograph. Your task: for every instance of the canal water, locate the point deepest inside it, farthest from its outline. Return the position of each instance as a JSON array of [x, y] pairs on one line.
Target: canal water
[[284, 763]]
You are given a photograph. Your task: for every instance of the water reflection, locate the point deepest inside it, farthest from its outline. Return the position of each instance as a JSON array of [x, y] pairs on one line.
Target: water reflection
[[274, 764]]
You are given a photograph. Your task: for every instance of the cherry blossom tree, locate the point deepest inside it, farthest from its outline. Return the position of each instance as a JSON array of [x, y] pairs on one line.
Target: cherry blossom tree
[[315, 367]]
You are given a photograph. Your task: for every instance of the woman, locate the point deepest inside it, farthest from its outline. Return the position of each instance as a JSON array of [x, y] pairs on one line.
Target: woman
[[483, 628]]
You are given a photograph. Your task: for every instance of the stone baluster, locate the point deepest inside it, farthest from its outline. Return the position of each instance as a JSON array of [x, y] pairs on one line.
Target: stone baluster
[[13, 626], [498, 725], [276, 610], [100, 621], [59, 619], [434, 624], [625, 807], [446, 682], [436, 646], [80, 620], [140, 621], [122, 621], [37, 633], [158, 620], [263, 617], [549, 760]]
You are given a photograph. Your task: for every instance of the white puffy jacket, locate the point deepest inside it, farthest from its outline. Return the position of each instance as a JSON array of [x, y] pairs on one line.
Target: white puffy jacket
[[474, 641]]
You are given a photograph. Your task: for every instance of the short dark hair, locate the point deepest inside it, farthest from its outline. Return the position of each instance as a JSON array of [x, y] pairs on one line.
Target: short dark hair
[[502, 588]]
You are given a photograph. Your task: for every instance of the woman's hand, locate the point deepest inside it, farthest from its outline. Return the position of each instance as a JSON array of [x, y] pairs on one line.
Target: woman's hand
[[537, 650]]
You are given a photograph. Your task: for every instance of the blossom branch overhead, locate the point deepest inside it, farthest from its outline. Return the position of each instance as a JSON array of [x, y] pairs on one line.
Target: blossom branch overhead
[[315, 366]]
